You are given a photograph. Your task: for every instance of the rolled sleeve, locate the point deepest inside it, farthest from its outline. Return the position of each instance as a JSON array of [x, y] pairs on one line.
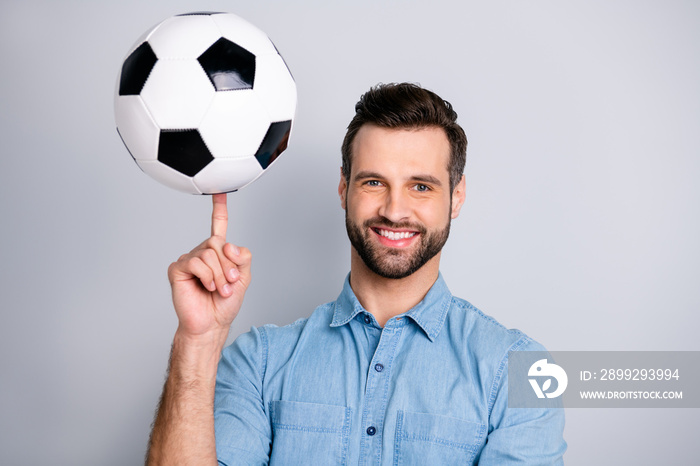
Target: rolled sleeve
[[242, 427], [532, 436]]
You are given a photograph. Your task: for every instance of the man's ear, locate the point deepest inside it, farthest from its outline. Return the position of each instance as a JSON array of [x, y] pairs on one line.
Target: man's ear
[[458, 197], [342, 190]]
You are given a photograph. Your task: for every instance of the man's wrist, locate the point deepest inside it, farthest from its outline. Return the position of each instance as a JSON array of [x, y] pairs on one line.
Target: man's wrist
[[196, 357]]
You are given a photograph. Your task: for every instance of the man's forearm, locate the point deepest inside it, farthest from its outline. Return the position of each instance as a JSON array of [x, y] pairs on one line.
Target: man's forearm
[[183, 431]]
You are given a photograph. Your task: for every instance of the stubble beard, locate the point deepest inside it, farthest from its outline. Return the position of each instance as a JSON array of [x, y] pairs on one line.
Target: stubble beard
[[394, 263]]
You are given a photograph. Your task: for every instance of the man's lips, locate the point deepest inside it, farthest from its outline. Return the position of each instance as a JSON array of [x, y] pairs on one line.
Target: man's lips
[[395, 238]]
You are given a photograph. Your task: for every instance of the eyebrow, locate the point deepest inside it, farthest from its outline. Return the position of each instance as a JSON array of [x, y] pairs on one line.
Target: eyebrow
[[367, 174], [428, 179]]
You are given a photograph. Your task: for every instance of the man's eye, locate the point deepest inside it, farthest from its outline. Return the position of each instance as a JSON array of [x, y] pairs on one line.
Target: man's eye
[[422, 188], [373, 183]]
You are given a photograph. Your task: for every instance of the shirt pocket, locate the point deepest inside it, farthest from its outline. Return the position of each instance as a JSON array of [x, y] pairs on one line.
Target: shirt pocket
[[309, 433], [433, 439]]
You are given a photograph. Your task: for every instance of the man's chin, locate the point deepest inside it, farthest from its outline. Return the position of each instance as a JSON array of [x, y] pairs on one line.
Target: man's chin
[[394, 270]]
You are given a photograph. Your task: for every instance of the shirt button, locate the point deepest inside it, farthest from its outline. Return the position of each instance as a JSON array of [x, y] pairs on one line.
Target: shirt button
[[378, 367], [371, 430], [368, 319]]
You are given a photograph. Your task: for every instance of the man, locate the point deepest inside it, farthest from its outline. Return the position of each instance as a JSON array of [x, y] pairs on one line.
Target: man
[[396, 370]]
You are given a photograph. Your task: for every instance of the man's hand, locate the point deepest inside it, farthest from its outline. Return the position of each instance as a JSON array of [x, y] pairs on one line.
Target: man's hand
[[208, 286], [209, 283]]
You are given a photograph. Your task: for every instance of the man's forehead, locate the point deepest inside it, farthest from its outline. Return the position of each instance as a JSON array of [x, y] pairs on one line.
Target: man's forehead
[[425, 149]]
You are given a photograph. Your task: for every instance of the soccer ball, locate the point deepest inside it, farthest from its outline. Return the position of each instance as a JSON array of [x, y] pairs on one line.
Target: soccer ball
[[204, 103]]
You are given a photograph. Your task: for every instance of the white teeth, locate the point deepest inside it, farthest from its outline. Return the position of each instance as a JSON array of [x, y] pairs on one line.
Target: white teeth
[[394, 235]]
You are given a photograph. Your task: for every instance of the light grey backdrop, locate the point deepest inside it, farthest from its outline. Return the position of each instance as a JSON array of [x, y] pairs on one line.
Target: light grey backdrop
[[580, 227]]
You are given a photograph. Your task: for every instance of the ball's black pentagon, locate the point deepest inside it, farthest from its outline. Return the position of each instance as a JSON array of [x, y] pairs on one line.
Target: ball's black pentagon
[[201, 13], [184, 151], [136, 69], [229, 66], [274, 143], [219, 192]]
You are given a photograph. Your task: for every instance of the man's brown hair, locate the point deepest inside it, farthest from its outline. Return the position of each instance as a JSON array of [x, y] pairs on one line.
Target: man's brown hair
[[407, 106]]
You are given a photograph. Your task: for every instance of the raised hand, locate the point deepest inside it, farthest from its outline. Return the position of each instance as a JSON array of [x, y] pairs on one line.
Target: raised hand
[[208, 283], [208, 287]]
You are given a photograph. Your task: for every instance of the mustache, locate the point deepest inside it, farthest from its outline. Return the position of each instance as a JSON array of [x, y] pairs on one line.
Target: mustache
[[376, 222]]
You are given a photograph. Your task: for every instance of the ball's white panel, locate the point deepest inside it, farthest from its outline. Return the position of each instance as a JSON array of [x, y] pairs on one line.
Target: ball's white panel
[[177, 93], [235, 124], [225, 175], [136, 127], [243, 33], [183, 37], [275, 87], [169, 177]]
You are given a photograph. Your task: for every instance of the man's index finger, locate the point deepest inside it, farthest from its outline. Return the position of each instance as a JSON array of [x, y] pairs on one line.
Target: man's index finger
[[219, 215]]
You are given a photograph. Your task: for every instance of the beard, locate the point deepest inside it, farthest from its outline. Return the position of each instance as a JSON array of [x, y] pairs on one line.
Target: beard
[[394, 263]]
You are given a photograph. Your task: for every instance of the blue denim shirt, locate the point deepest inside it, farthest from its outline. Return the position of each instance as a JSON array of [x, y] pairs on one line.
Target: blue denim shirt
[[336, 388]]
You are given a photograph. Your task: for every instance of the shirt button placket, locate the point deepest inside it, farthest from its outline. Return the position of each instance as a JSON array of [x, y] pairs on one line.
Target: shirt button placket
[[375, 395]]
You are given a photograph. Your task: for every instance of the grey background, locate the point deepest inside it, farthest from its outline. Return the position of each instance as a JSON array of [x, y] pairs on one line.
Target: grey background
[[580, 225]]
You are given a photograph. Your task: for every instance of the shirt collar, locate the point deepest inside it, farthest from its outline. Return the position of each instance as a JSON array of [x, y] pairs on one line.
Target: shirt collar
[[429, 314]]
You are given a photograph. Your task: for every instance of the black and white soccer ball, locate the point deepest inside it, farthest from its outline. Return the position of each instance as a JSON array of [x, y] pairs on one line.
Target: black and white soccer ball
[[204, 102]]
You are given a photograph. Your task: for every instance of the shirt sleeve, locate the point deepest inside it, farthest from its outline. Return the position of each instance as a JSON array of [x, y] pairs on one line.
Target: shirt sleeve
[[524, 436], [242, 427]]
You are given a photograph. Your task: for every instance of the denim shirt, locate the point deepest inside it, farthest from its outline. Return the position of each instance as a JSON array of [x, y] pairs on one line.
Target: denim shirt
[[336, 388]]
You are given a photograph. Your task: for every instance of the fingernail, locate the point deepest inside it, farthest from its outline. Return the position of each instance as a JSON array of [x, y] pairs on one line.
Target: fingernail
[[236, 251], [233, 273], [226, 289]]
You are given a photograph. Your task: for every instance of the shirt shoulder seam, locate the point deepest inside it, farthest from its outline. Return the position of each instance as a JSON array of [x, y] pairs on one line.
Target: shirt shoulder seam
[[469, 307], [265, 351]]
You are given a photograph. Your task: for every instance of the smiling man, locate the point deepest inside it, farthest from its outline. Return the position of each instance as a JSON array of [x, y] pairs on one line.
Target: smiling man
[[398, 203], [396, 370]]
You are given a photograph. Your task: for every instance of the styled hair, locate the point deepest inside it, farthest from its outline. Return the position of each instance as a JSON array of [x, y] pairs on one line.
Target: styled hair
[[407, 106]]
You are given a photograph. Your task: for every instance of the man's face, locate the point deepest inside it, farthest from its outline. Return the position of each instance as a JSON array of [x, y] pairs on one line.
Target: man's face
[[397, 202]]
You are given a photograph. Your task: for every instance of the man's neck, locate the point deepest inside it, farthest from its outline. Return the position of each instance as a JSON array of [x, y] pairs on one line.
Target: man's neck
[[388, 297]]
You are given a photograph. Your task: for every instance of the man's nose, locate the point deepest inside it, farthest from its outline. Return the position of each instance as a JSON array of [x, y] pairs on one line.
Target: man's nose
[[396, 206]]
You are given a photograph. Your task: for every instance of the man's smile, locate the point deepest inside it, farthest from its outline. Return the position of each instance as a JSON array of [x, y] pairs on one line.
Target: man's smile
[[395, 238]]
